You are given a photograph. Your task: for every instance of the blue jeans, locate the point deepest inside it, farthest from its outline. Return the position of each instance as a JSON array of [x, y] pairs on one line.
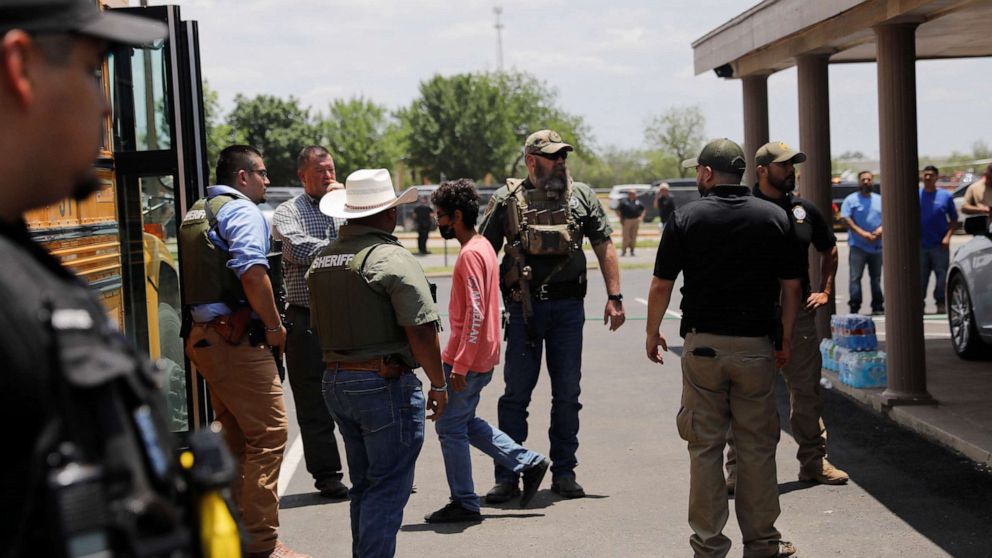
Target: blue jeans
[[935, 260], [382, 424], [857, 261], [459, 426], [558, 326]]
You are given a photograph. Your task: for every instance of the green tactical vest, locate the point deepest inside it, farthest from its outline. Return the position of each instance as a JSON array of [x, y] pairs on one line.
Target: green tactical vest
[[351, 317], [206, 277], [547, 228]]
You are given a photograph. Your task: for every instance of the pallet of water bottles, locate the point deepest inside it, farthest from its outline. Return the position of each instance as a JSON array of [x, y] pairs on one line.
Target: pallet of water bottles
[[853, 352]]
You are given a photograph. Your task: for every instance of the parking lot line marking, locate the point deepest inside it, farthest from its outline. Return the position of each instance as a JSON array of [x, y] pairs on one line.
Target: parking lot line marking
[[290, 463], [673, 313]]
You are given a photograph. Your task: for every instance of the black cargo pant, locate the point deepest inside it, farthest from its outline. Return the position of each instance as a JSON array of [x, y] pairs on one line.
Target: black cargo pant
[[305, 368]]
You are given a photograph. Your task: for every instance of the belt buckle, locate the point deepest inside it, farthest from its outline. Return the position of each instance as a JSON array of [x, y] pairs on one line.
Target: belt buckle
[[542, 292]]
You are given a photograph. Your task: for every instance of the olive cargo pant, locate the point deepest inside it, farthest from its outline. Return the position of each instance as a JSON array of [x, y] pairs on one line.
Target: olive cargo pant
[[247, 399], [802, 376], [730, 382]]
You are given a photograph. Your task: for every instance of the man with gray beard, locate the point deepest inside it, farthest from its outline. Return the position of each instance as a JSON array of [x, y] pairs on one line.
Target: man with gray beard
[[542, 220]]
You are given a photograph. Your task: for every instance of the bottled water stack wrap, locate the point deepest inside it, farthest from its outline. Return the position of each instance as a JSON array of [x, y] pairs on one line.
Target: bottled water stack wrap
[[853, 352]]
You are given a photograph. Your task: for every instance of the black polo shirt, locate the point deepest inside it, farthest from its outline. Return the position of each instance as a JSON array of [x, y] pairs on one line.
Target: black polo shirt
[[630, 209], [732, 249], [810, 227]]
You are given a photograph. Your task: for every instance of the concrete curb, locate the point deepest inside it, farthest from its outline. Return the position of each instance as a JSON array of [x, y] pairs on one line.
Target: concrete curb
[[924, 420]]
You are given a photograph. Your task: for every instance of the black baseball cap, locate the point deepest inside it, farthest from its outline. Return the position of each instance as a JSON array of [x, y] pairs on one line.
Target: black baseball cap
[[721, 154], [82, 17]]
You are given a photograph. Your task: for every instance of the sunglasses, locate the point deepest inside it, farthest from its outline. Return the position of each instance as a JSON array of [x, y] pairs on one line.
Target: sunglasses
[[562, 155]]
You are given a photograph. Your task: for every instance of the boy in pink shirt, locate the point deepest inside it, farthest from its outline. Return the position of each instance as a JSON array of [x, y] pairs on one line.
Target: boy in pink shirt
[[472, 352]]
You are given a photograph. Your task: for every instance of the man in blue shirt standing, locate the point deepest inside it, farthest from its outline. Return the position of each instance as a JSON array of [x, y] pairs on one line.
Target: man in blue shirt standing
[[938, 218], [862, 213]]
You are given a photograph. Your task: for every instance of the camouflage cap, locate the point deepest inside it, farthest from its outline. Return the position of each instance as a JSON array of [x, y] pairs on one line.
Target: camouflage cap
[[545, 141], [777, 152], [720, 154]]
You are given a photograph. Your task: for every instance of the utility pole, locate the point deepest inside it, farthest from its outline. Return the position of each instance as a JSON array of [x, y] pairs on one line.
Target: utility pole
[[498, 10]]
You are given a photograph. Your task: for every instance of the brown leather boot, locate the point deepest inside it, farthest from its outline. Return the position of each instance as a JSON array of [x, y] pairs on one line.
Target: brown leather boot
[[827, 474], [280, 551]]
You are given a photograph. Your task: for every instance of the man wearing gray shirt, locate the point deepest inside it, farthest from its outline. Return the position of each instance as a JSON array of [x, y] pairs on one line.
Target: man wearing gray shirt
[[304, 232]]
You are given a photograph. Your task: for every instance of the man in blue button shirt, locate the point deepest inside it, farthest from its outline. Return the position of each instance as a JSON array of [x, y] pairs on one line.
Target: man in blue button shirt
[[938, 218], [862, 213], [225, 245]]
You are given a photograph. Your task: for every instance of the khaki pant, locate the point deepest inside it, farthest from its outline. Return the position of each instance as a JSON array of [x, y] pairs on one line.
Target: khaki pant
[[802, 376], [247, 399], [733, 389], [630, 228]]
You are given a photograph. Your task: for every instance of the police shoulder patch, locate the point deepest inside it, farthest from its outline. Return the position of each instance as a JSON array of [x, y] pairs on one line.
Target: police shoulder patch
[[799, 212]]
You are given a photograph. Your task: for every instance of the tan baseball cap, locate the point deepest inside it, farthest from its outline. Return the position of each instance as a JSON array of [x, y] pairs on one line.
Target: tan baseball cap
[[777, 152], [545, 141]]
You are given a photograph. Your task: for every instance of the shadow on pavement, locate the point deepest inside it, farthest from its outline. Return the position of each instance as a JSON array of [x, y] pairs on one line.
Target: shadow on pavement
[[309, 499], [455, 528], [943, 495]]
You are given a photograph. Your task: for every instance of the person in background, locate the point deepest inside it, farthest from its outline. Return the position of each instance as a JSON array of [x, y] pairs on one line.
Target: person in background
[[630, 211], [305, 231], [938, 219], [665, 204], [861, 212], [978, 196], [423, 217]]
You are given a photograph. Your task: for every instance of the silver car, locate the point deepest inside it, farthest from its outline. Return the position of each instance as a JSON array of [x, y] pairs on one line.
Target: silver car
[[969, 292]]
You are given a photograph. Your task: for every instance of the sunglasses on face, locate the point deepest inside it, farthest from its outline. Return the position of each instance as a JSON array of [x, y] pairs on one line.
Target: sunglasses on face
[[562, 155]]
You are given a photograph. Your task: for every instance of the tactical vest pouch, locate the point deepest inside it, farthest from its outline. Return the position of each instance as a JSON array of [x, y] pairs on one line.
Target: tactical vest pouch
[[547, 240]]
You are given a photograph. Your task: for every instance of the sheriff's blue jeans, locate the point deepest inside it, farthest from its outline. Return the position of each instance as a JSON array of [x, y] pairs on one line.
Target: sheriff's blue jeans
[[459, 426], [558, 327], [382, 424], [934, 260], [857, 261]]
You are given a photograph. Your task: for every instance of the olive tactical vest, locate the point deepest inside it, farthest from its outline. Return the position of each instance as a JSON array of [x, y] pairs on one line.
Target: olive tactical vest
[[348, 314], [206, 277], [547, 227]]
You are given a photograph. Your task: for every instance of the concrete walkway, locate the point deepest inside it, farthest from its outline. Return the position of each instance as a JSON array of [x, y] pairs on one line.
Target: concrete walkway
[[962, 419]]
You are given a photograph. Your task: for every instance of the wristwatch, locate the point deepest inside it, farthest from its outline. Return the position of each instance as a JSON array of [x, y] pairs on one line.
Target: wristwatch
[[617, 297]]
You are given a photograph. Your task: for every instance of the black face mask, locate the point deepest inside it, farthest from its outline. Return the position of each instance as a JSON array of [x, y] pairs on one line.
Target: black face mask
[[447, 231]]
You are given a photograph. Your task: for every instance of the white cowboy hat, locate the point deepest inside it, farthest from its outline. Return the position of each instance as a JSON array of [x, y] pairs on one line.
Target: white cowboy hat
[[366, 192]]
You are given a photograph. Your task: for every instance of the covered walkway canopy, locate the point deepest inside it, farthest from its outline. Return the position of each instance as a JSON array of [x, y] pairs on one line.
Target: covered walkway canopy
[[778, 34]]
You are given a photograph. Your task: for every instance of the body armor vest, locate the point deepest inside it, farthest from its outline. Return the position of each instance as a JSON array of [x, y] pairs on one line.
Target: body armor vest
[[348, 313], [547, 227], [206, 278]]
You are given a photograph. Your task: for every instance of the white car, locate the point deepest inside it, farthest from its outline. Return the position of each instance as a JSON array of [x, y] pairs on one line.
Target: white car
[[619, 192]]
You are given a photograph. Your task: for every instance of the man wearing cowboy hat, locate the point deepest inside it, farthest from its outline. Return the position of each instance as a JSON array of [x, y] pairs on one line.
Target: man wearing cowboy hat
[[542, 220], [377, 321]]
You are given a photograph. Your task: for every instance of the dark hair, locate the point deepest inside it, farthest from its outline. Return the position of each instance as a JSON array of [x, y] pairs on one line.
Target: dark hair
[[931, 168], [233, 159], [458, 194], [310, 152], [866, 172]]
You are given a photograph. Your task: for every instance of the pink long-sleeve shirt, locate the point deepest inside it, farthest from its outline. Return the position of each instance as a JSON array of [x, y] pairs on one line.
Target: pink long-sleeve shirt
[[474, 343]]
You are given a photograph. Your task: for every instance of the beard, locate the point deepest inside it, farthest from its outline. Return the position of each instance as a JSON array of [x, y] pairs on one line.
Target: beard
[[554, 183], [785, 185]]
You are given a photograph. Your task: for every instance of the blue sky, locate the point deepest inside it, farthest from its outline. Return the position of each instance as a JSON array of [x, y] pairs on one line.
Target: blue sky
[[615, 65]]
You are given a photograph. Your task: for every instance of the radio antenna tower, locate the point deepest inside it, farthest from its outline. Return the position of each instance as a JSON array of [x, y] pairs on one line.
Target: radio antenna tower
[[498, 10]]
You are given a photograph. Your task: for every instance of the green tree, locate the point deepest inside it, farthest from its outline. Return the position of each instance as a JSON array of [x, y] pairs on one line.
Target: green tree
[[361, 134], [468, 125], [279, 128], [679, 132], [219, 133]]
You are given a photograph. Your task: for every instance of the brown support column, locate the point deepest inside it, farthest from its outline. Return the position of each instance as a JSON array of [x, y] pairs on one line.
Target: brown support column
[[755, 119], [906, 360], [816, 172]]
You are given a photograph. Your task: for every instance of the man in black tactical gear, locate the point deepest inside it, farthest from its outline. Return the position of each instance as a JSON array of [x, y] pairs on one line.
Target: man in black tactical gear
[[89, 459]]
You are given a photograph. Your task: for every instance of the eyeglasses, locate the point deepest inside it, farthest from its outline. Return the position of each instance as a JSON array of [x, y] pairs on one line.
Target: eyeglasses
[[563, 154], [261, 172], [439, 215]]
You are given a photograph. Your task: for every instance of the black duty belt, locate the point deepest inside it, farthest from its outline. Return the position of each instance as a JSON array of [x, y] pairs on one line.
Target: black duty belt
[[554, 291]]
